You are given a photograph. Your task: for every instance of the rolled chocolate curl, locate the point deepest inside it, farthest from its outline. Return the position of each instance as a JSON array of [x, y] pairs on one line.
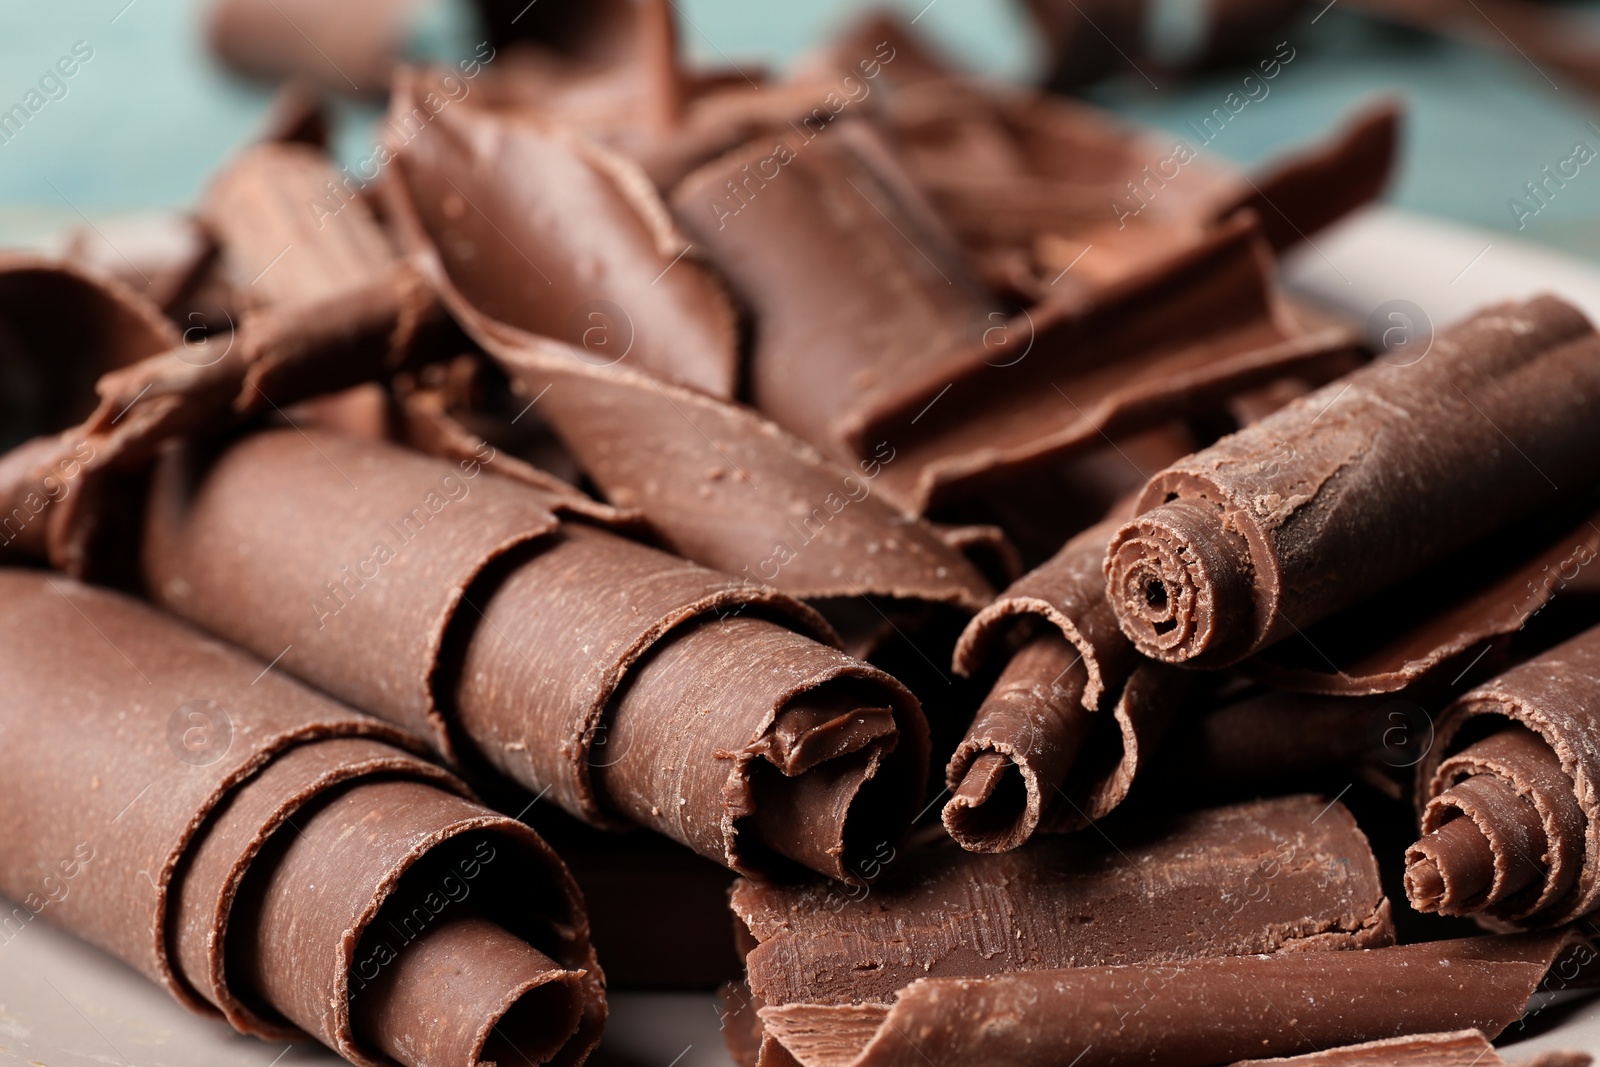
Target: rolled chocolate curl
[[1076, 372], [1508, 812], [717, 483], [1265, 877], [269, 856], [1459, 615], [1184, 1014], [1271, 529], [575, 663], [560, 237]]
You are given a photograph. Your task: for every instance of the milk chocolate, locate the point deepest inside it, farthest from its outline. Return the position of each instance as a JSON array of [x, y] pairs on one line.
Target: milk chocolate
[[1265, 877], [700, 470], [248, 844], [1461, 614], [1077, 371], [1182, 1014], [1272, 529], [867, 286], [556, 235], [455, 603], [1508, 808]]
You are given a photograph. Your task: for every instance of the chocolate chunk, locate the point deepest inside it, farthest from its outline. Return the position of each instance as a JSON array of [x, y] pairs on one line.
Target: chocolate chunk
[[1271, 530], [1182, 1014], [1507, 811], [1257, 878], [237, 838]]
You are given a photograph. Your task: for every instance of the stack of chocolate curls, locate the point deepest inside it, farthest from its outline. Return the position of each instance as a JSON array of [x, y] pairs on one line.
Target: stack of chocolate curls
[[692, 465]]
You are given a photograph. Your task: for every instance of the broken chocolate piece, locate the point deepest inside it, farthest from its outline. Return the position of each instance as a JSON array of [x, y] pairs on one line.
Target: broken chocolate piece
[[1271, 530]]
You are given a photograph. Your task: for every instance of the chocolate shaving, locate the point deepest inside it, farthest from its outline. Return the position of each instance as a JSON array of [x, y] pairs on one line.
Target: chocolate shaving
[[1271, 530], [163, 782], [1430, 626], [1079, 370], [1183, 1014], [1509, 814], [557, 236], [700, 470], [1266, 877], [1461, 1048], [445, 599]]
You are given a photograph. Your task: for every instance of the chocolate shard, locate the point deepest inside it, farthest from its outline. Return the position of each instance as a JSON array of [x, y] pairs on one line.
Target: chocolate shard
[[1507, 809], [699, 469], [1456, 614], [1267, 877], [868, 285], [1271, 529], [503, 198], [245, 842], [573, 662], [1183, 1014], [1075, 371]]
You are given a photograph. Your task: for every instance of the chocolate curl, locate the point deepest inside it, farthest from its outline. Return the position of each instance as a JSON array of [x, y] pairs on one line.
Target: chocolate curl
[[719, 484], [1181, 338], [1271, 529], [1184, 1014], [560, 237], [163, 787], [1265, 877], [1068, 593], [360, 511], [329, 303], [449, 602], [867, 285], [1509, 817], [348, 48], [1460, 614], [1034, 759]]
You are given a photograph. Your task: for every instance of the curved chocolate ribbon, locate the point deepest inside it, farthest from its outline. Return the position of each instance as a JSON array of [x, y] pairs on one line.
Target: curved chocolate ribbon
[[1511, 827], [268, 855], [1272, 529]]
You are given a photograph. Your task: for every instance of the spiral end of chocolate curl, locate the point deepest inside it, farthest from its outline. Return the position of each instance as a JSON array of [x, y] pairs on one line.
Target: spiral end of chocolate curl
[[1449, 870], [993, 809], [1180, 584]]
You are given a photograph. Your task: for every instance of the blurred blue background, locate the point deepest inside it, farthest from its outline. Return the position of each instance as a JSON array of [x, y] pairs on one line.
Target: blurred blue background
[[150, 115]]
